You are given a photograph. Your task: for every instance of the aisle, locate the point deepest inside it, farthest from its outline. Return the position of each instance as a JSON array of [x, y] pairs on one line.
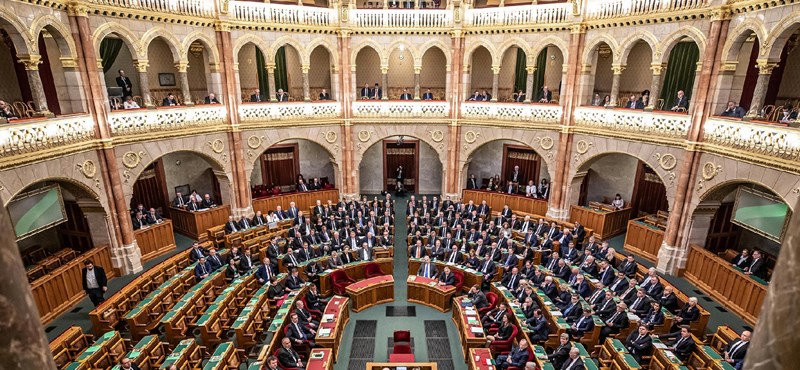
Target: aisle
[[440, 329]]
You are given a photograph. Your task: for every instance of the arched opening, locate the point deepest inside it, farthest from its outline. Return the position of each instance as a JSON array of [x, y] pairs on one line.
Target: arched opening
[[320, 74], [16, 89], [120, 72], [680, 76], [740, 215], [57, 217], [368, 72], [601, 58], [200, 74], [253, 75], [549, 74], [433, 75], [737, 84], [500, 160], [782, 91], [185, 172], [164, 77], [288, 73], [637, 77], [600, 178], [422, 169], [60, 77], [482, 75], [512, 74], [401, 73], [279, 168]]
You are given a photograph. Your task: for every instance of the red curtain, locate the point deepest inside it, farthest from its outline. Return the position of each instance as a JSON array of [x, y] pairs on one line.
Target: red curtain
[[649, 193], [46, 74], [400, 154], [149, 188], [528, 162], [280, 166], [19, 69]]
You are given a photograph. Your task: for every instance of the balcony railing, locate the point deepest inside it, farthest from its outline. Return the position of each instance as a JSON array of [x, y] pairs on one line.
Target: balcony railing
[[516, 112], [605, 9], [518, 15], [195, 8], [401, 18], [259, 112], [401, 109], [20, 138], [142, 121], [764, 139], [282, 14], [670, 125]]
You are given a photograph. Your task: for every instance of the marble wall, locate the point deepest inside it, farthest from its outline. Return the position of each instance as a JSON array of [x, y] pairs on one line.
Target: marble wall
[[181, 168], [314, 162], [370, 171], [611, 174], [429, 165]]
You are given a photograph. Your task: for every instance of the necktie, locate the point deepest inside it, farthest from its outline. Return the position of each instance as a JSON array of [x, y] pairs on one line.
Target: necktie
[[485, 267], [418, 251], [513, 278], [636, 304], [302, 334], [427, 270], [452, 257], [294, 261], [580, 322], [217, 260], [613, 317], [735, 348], [180, 201], [203, 268], [639, 338], [679, 342]]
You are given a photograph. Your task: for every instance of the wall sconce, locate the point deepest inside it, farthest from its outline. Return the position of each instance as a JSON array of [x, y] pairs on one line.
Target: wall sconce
[[196, 48], [604, 51]]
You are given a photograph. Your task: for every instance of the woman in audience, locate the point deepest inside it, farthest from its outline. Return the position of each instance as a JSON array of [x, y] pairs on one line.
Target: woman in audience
[[618, 203], [611, 257], [472, 261], [503, 332], [607, 101], [491, 186]]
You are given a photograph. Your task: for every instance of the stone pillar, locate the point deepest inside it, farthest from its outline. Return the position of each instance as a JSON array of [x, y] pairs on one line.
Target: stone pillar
[[529, 84], [655, 85], [144, 83], [775, 340], [617, 69], [336, 81], [347, 95], [417, 70], [31, 63], [701, 220], [495, 81], [385, 82], [466, 81], [238, 80], [448, 80], [21, 325], [765, 68], [271, 81], [183, 80], [353, 88], [306, 88]]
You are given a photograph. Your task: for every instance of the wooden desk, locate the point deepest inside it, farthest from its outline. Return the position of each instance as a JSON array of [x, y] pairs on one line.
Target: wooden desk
[[155, 240], [146, 315], [66, 347], [148, 353], [225, 357], [105, 352], [188, 310], [194, 224], [470, 277], [665, 360], [320, 359], [481, 359], [301, 200], [334, 318], [186, 355], [468, 323], [742, 294], [643, 239], [354, 270], [604, 223], [394, 365], [279, 322], [219, 316], [497, 200], [370, 292], [253, 319], [428, 292]]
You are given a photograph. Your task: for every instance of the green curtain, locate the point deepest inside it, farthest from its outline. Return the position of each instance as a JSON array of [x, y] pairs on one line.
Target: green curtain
[[263, 79], [681, 71], [521, 73], [538, 77], [109, 49], [281, 77]]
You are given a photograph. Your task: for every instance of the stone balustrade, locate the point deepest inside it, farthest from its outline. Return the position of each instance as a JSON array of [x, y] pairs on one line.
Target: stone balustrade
[[291, 111], [194, 8], [401, 18], [26, 137], [763, 139], [284, 14], [142, 121], [513, 112], [401, 109], [605, 9], [608, 121], [518, 15]]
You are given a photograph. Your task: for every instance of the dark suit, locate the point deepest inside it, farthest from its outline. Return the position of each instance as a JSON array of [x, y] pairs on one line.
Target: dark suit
[[125, 83], [231, 226], [263, 273], [95, 294], [570, 364], [214, 261], [669, 302], [639, 345], [427, 96], [543, 95], [167, 102], [582, 325], [256, 98], [518, 358], [560, 354], [618, 321], [758, 268], [324, 96], [736, 112], [208, 100], [736, 351], [288, 358], [430, 271], [201, 270], [684, 347], [681, 103], [298, 331], [448, 279], [479, 300]]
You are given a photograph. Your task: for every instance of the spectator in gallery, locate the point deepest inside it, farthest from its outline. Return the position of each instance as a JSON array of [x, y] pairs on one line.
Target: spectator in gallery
[[733, 110]]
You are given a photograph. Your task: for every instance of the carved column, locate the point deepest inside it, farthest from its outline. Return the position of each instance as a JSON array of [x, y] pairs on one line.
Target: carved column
[[466, 81], [336, 82], [306, 88], [495, 81], [144, 82], [31, 63], [617, 69], [417, 70], [529, 83], [765, 68], [238, 80], [183, 80], [655, 85], [271, 81], [457, 74], [385, 82], [347, 96], [353, 88]]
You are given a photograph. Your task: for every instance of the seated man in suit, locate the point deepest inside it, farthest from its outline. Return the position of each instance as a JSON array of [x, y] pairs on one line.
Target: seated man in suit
[[288, 357], [127, 364], [681, 102], [365, 92], [742, 260], [560, 355], [615, 323], [140, 221], [169, 101], [668, 299], [495, 316], [272, 363], [733, 110], [427, 95], [447, 277], [281, 95], [208, 202], [641, 304], [511, 279], [688, 314], [519, 97], [736, 350], [787, 114], [406, 95], [202, 269], [545, 95], [571, 311], [584, 324], [211, 99], [655, 317], [620, 284], [304, 315], [639, 343], [214, 259], [6, 111], [757, 267], [574, 362], [324, 95], [265, 272], [291, 259], [427, 269], [246, 262], [300, 334], [314, 299], [517, 357], [256, 96], [628, 267], [488, 268], [684, 345], [478, 298], [539, 326], [294, 281]]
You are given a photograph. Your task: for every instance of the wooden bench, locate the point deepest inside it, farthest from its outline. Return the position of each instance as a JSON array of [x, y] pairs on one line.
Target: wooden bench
[[226, 307], [68, 345], [184, 314]]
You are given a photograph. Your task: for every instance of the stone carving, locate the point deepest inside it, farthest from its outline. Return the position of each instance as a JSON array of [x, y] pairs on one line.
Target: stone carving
[[401, 109], [132, 159], [644, 123], [249, 113], [217, 145], [35, 136], [436, 135], [666, 161], [471, 136], [517, 113], [329, 136], [710, 170], [545, 142], [364, 136], [767, 140], [88, 168], [583, 146], [254, 142], [139, 122]]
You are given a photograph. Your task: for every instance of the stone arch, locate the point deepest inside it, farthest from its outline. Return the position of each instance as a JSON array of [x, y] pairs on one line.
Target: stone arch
[[592, 45], [255, 40], [515, 41], [408, 46], [661, 54], [371, 44], [478, 43], [319, 41], [72, 182], [16, 29], [61, 34], [288, 40], [138, 50], [207, 41], [737, 36], [776, 40], [172, 42], [434, 44], [547, 41], [631, 41]]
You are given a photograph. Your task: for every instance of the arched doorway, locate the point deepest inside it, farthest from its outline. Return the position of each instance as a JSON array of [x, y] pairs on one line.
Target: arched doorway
[[422, 168], [282, 164], [253, 78], [368, 70], [601, 58], [117, 61], [637, 77], [320, 74], [433, 74], [482, 75], [499, 158]]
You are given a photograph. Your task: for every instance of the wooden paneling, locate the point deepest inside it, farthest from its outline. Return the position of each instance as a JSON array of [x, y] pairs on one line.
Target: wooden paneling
[[302, 200], [740, 293], [155, 240], [605, 224], [497, 200], [643, 239], [195, 224], [56, 292]]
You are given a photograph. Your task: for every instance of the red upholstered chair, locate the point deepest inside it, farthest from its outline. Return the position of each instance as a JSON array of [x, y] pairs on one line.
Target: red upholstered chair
[[304, 347], [492, 299], [401, 348], [373, 270], [316, 313], [493, 327], [402, 337], [500, 346], [340, 280], [279, 363], [530, 358], [459, 277]]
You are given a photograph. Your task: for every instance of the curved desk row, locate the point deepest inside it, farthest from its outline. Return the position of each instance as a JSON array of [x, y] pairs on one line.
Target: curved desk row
[[428, 292], [355, 271], [370, 292]]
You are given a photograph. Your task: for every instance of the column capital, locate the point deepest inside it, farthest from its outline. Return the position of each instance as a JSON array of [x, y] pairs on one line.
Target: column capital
[[304, 68], [530, 69], [765, 66], [222, 26], [496, 70], [577, 28], [658, 68], [466, 68], [214, 67], [728, 66], [417, 70], [617, 68], [30, 61], [76, 9], [345, 33], [720, 14], [586, 68], [699, 66], [270, 67], [182, 66], [456, 34], [384, 70], [141, 65], [68, 62], [564, 67]]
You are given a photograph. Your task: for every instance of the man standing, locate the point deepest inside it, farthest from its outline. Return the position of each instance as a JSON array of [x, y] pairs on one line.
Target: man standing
[[125, 83], [94, 282]]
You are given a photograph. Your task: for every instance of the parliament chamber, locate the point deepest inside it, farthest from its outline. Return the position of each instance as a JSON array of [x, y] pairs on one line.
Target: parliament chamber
[[415, 184]]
